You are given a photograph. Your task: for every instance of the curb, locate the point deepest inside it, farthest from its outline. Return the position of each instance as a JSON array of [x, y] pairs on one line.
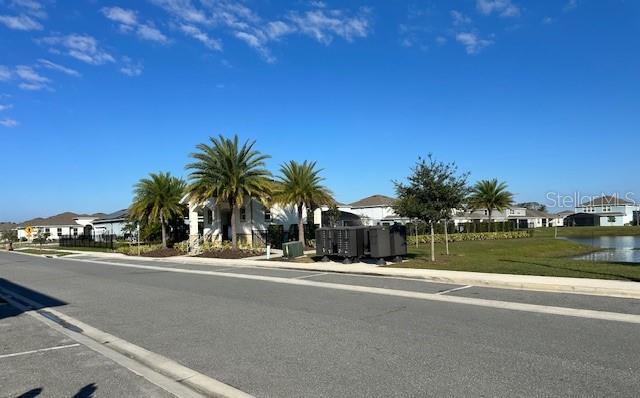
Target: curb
[[158, 363]]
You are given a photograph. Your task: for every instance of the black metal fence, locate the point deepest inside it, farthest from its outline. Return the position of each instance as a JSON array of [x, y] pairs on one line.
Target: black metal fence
[[98, 241]]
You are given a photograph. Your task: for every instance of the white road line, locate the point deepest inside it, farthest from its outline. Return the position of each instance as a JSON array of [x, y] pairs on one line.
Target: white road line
[[455, 289], [167, 374], [310, 276], [17, 354], [506, 305]]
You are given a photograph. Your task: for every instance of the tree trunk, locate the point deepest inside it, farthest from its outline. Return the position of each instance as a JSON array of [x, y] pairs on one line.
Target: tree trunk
[[234, 218], [164, 232], [300, 224], [489, 226], [433, 244], [446, 237]]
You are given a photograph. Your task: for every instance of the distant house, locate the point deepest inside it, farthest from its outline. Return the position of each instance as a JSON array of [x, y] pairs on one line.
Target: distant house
[[519, 217], [372, 210], [56, 226], [604, 211], [558, 219], [111, 224]]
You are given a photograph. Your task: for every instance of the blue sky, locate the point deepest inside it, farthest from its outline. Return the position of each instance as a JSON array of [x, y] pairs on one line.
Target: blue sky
[[96, 94]]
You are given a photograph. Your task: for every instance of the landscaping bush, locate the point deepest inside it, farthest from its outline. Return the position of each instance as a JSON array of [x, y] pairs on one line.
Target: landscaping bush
[[182, 247], [439, 238], [132, 250]]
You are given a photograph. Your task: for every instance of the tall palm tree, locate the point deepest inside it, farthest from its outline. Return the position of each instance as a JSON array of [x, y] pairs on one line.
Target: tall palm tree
[[300, 184], [490, 194], [157, 197], [227, 173]]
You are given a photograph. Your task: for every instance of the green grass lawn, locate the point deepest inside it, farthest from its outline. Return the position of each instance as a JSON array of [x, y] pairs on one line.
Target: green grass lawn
[[44, 252], [529, 256], [90, 249]]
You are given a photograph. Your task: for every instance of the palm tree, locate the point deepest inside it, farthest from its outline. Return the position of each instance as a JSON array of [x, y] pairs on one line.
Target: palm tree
[[157, 197], [490, 194], [301, 184], [227, 173]]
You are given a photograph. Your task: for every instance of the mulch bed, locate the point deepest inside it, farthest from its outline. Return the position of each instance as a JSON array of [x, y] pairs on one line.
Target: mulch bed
[[162, 253], [230, 253]]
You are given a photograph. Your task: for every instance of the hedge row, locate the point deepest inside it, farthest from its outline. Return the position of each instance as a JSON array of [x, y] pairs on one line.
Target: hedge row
[[411, 239]]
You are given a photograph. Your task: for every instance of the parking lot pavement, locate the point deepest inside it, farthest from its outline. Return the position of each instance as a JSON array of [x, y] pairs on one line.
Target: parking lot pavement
[[37, 361]]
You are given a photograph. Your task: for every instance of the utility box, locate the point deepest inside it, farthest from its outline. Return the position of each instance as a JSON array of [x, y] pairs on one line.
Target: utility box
[[350, 241], [398, 240], [379, 242], [292, 249], [325, 242]]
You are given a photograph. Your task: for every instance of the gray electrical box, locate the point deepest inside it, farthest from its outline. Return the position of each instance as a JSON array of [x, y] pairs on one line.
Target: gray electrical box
[[379, 242], [398, 240]]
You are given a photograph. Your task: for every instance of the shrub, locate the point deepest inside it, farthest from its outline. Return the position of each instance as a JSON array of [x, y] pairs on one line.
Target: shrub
[[182, 247], [439, 238], [132, 250]]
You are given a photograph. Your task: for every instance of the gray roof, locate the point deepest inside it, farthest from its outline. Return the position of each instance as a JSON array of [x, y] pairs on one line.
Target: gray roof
[[607, 201], [373, 201], [67, 218], [116, 215]]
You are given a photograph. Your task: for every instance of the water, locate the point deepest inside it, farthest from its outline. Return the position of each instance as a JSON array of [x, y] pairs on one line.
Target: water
[[617, 248]]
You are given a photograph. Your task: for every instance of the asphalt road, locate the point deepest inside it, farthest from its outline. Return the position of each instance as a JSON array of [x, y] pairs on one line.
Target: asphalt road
[[282, 340]]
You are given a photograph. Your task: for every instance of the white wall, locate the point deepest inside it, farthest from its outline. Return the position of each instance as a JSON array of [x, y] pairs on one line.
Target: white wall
[[53, 231]]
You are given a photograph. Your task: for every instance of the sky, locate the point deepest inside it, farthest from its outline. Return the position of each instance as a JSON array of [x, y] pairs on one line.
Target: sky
[[94, 95]]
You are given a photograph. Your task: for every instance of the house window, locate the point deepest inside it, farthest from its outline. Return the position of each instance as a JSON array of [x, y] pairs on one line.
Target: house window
[[486, 212], [75, 231], [612, 219], [59, 231], [46, 230], [267, 214], [243, 214]]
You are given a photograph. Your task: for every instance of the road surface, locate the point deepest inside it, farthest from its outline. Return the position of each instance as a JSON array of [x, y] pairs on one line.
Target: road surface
[[275, 337]]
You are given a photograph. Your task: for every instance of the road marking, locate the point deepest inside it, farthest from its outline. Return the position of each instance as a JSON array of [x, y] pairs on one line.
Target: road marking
[[455, 289], [310, 276], [159, 370], [60, 347], [506, 305]]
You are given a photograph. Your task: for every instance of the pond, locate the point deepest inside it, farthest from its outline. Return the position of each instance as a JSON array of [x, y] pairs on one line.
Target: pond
[[617, 248]]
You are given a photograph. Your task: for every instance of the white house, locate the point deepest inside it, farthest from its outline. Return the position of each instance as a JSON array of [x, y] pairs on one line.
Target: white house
[[111, 224], [213, 221], [56, 226], [605, 211], [521, 217], [372, 210]]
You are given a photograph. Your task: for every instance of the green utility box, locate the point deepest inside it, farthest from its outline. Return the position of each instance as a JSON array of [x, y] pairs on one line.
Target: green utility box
[[292, 249]]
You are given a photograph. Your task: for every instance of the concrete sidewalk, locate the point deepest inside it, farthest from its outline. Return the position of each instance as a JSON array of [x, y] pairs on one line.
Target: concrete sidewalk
[[598, 287]]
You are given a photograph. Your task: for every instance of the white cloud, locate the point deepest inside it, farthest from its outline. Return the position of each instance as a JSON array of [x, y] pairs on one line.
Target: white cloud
[[182, 9], [9, 123], [82, 47], [53, 66], [128, 22], [20, 22], [202, 37], [31, 7], [257, 42], [120, 15], [5, 73], [459, 19], [31, 80], [149, 32], [5, 107], [504, 8], [276, 29], [131, 68], [472, 42], [547, 20], [441, 40], [571, 5], [323, 24]]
